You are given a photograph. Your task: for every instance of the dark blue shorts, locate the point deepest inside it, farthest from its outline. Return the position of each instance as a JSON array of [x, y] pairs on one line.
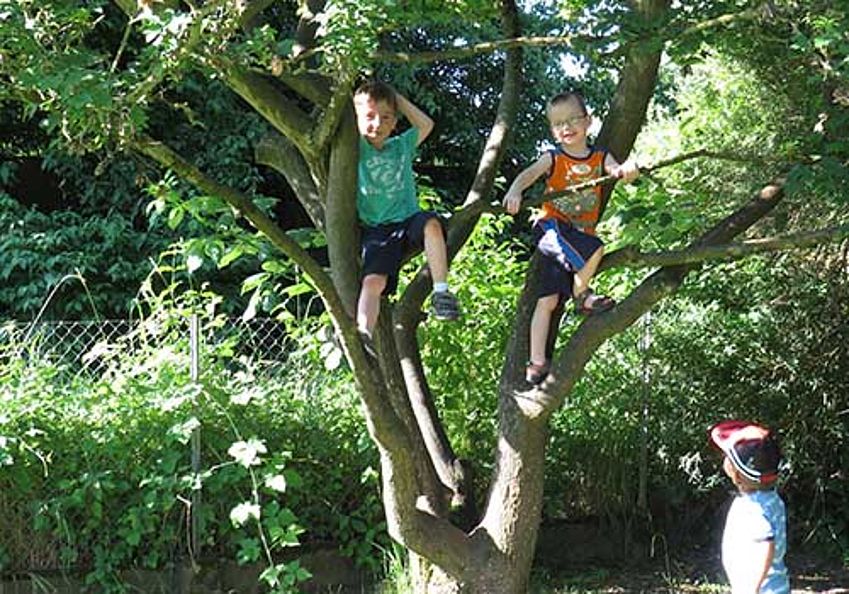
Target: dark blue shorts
[[384, 247], [564, 250]]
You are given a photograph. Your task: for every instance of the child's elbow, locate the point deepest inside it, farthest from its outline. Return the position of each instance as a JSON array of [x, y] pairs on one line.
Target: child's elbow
[[425, 129]]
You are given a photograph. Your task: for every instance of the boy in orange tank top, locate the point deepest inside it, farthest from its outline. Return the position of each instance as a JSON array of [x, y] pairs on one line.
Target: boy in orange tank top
[[565, 229]]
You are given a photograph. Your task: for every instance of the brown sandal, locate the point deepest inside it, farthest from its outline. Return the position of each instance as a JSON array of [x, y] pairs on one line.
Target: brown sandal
[[597, 303]]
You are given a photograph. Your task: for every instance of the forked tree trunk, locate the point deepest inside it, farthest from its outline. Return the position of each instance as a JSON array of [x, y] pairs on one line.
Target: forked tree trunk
[[494, 557]]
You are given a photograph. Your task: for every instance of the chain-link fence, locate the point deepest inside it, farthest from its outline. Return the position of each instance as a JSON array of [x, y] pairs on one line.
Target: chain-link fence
[[86, 345]]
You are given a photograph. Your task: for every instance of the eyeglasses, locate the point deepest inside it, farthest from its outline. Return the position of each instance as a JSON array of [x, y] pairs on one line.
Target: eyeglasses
[[569, 122]]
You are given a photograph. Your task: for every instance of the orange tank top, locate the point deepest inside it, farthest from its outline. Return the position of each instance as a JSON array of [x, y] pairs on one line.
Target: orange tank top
[[579, 208]]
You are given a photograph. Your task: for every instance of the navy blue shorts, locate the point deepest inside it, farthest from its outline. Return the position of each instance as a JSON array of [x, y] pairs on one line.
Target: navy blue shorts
[[564, 250], [384, 247]]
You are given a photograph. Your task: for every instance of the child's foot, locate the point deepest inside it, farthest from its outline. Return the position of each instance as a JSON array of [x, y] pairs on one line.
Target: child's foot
[[368, 343], [445, 306], [588, 303], [535, 373]]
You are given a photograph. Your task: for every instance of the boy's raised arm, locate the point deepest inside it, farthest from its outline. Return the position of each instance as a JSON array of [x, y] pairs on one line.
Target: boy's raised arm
[[513, 198], [416, 117]]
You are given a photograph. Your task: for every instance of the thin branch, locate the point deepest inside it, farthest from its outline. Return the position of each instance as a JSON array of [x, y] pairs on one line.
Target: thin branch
[[632, 258], [476, 208], [544, 41], [193, 39], [123, 45], [488, 47], [720, 21]]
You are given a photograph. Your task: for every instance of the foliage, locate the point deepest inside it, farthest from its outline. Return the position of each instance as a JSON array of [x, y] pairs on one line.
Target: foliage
[[95, 80], [103, 474], [40, 251], [464, 359]]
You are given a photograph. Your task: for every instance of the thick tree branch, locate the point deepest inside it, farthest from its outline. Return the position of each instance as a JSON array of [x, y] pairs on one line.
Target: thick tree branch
[[128, 7], [413, 495], [251, 11], [308, 85], [634, 90], [428, 535], [335, 107], [341, 212], [169, 159], [281, 113], [382, 420], [408, 311], [633, 258], [278, 152], [309, 11]]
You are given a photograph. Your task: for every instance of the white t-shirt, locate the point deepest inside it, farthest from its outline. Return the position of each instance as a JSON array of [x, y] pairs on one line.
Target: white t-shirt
[[753, 519]]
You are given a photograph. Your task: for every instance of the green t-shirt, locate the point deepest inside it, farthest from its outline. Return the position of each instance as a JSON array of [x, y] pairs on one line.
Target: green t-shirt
[[386, 190]]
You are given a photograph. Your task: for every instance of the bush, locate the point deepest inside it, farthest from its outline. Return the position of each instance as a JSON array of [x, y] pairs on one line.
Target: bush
[[99, 468]]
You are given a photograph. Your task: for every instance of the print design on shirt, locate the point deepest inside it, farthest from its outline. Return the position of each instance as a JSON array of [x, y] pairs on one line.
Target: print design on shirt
[[578, 202], [386, 173]]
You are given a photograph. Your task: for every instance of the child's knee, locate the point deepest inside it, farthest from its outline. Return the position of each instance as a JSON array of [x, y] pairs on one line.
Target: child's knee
[[433, 229], [374, 284], [548, 303]]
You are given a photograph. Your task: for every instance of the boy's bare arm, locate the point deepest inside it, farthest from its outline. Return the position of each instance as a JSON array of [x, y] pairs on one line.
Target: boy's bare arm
[[416, 117], [513, 198], [627, 171]]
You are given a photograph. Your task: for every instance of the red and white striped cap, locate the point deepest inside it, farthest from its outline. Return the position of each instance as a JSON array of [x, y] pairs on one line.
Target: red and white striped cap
[[751, 448]]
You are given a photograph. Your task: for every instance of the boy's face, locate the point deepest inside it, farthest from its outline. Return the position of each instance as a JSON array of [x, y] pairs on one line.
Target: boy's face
[[375, 119], [569, 124]]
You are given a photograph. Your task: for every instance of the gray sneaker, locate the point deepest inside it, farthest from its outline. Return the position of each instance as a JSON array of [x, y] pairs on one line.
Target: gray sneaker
[[444, 306]]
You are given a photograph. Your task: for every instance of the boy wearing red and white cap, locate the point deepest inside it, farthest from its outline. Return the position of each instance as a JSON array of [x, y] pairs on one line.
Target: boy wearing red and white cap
[[755, 537]]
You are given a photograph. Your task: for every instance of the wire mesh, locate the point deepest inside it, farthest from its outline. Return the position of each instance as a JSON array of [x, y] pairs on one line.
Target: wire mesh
[[85, 345]]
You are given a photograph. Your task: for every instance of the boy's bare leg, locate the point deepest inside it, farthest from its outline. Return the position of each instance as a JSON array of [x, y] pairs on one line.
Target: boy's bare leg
[[539, 327], [368, 304], [585, 274], [435, 251]]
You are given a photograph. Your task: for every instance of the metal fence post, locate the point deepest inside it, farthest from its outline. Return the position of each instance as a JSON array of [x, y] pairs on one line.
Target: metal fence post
[[644, 346], [194, 341]]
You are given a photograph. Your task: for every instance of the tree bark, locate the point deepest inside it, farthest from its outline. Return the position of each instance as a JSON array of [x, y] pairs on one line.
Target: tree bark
[[452, 472], [277, 152], [341, 213]]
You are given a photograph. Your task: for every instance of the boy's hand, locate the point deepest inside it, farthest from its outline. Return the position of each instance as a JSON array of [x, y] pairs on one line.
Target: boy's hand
[[627, 171], [512, 201]]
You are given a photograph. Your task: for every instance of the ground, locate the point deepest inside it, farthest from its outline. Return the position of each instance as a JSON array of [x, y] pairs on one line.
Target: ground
[[696, 575]]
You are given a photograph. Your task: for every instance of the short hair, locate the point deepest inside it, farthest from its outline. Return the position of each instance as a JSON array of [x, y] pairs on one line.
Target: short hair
[[567, 96], [377, 90]]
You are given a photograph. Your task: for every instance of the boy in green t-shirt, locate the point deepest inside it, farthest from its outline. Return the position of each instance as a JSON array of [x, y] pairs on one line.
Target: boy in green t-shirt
[[387, 204]]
